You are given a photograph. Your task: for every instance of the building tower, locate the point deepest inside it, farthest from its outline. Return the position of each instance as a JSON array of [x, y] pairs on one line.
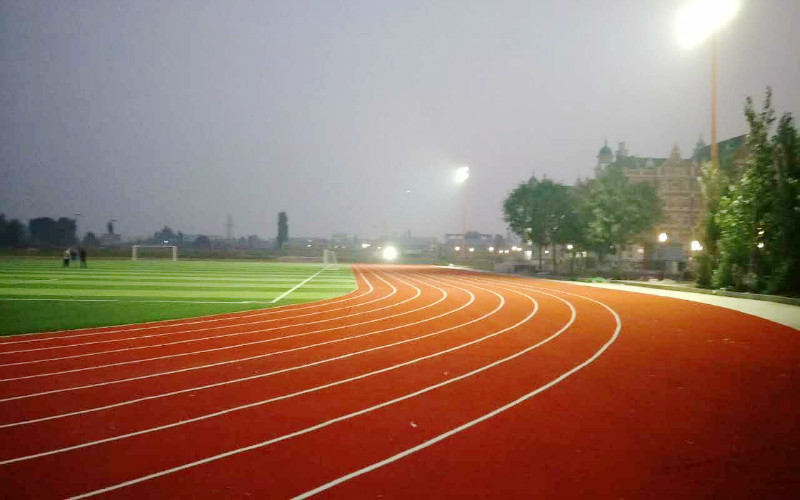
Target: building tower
[[604, 158], [229, 227]]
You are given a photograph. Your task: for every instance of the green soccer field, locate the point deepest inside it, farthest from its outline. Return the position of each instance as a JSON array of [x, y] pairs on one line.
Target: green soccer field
[[40, 295]]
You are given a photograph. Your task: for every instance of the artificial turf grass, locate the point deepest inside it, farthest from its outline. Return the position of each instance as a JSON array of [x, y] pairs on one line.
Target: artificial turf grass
[[123, 301]]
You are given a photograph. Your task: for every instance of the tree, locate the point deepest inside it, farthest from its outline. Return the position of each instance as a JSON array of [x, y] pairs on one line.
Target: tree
[[47, 232], [165, 235], [618, 211], [90, 240], [283, 229], [12, 233], [202, 242], [542, 212]]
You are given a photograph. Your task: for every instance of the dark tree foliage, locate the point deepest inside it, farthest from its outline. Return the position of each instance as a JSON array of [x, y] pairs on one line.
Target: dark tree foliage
[[283, 229], [166, 234], [202, 242], [47, 232], [90, 240], [12, 232]]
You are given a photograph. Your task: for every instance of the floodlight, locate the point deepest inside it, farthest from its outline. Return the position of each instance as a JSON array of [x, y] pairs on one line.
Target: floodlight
[[696, 246], [760, 244], [457, 248], [491, 249], [365, 245], [462, 174], [700, 19], [471, 249], [569, 246], [663, 237], [390, 253]]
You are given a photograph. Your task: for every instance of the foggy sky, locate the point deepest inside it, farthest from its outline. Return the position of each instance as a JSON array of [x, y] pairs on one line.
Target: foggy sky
[[180, 113]]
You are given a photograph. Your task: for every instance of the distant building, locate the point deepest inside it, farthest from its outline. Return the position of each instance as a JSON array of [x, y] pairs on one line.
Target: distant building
[[676, 182]]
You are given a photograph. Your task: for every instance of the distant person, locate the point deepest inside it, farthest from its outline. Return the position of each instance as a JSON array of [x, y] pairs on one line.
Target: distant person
[[73, 254], [82, 253], [67, 257]]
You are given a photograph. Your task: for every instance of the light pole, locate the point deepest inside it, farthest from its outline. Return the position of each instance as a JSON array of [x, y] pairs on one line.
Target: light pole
[[695, 22], [462, 174], [77, 226]]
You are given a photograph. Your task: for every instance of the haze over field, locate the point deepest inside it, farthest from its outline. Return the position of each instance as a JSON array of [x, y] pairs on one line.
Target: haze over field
[[180, 113]]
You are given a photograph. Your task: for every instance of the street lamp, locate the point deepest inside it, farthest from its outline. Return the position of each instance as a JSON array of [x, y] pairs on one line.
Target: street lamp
[[77, 226], [461, 176], [695, 22]]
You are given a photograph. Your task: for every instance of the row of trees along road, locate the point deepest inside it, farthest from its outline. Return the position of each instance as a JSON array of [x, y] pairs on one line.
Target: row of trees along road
[[600, 214], [751, 224]]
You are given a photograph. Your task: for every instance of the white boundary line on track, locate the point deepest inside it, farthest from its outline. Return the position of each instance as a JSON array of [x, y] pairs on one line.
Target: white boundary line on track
[[226, 362], [149, 325], [279, 297], [140, 301], [262, 375], [476, 421], [234, 325], [350, 415], [265, 341]]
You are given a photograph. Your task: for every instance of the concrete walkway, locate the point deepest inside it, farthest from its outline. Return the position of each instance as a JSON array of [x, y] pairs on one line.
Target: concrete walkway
[[784, 314]]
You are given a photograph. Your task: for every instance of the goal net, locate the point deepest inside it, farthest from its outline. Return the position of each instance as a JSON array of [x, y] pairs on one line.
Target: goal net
[[139, 252], [329, 259]]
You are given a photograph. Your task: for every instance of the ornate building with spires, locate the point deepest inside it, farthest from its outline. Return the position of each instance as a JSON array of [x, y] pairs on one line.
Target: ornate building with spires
[[676, 182]]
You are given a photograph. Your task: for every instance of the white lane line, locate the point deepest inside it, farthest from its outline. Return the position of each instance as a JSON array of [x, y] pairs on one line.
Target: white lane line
[[253, 377], [220, 363], [211, 337], [265, 341], [476, 421], [284, 294], [217, 328], [349, 415], [149, 325]]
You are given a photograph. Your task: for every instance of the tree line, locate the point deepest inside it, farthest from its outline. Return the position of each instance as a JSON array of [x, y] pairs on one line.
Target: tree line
[[603, 215], [751, 224]]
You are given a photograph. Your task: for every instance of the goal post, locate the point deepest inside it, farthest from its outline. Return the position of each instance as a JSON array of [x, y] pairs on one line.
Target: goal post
[[329, 259], [136, 253]]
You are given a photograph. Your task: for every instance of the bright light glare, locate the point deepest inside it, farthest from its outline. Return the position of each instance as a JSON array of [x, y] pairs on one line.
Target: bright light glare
[[457, 248], [546, 252], [462, 174], [471, 249], [365, 245], [760, 245], [390, 253], [569, 246], [696, 246], [491, 249], [640, 250], [699, 19], [663, 237]]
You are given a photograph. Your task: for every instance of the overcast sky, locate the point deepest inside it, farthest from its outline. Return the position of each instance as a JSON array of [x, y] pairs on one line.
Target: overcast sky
[[180, 113]]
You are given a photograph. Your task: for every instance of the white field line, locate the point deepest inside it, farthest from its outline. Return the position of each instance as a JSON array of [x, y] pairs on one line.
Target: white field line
[[139, 301], [149, 325], [305, 391], [213, 328], [220, 363], [343, 417], [471, 423], [214, 337], [284, 294], [253, 377], [265, 341]]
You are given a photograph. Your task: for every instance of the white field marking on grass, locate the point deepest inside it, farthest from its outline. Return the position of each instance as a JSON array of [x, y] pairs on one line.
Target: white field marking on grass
[[214, 328], [215, 349], [200, 367], [149, 325], [343, 417], [306, 391], [315, 363], [137, 302], [482, 418], [284, 294], [214, 337]]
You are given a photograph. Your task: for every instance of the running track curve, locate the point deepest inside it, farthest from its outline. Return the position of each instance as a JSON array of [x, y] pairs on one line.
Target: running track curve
[[425, 382]]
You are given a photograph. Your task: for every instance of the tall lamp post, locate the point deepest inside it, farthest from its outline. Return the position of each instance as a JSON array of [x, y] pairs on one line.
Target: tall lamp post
[[77, 226], [697, 21], [462, 174]]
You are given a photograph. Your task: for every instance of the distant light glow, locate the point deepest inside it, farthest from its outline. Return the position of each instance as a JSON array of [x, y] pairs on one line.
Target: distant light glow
[[390, 253], [457, 248], [471, 249], [640, 250], [696, 246], [462, 174], [760, 244], [663, 237], [569, 246], [699, 19], [366, 245], [491, 249], [546, 252]]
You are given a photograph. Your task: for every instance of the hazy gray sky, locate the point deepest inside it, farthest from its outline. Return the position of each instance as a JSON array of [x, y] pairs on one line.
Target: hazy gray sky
[[180, 113]]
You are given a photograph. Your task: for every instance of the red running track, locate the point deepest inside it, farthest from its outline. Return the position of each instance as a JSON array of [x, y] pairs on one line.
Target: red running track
[[424, 383]]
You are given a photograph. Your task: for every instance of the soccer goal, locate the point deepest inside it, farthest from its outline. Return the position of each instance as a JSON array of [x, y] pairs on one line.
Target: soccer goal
[[329, 259], [139, 252]]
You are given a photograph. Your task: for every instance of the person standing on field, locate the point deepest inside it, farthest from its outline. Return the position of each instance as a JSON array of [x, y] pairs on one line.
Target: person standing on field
[[82, 253], [67, 255]]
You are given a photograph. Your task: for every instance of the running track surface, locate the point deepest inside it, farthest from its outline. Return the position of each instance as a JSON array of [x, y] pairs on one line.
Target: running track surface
[[423, 383]]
